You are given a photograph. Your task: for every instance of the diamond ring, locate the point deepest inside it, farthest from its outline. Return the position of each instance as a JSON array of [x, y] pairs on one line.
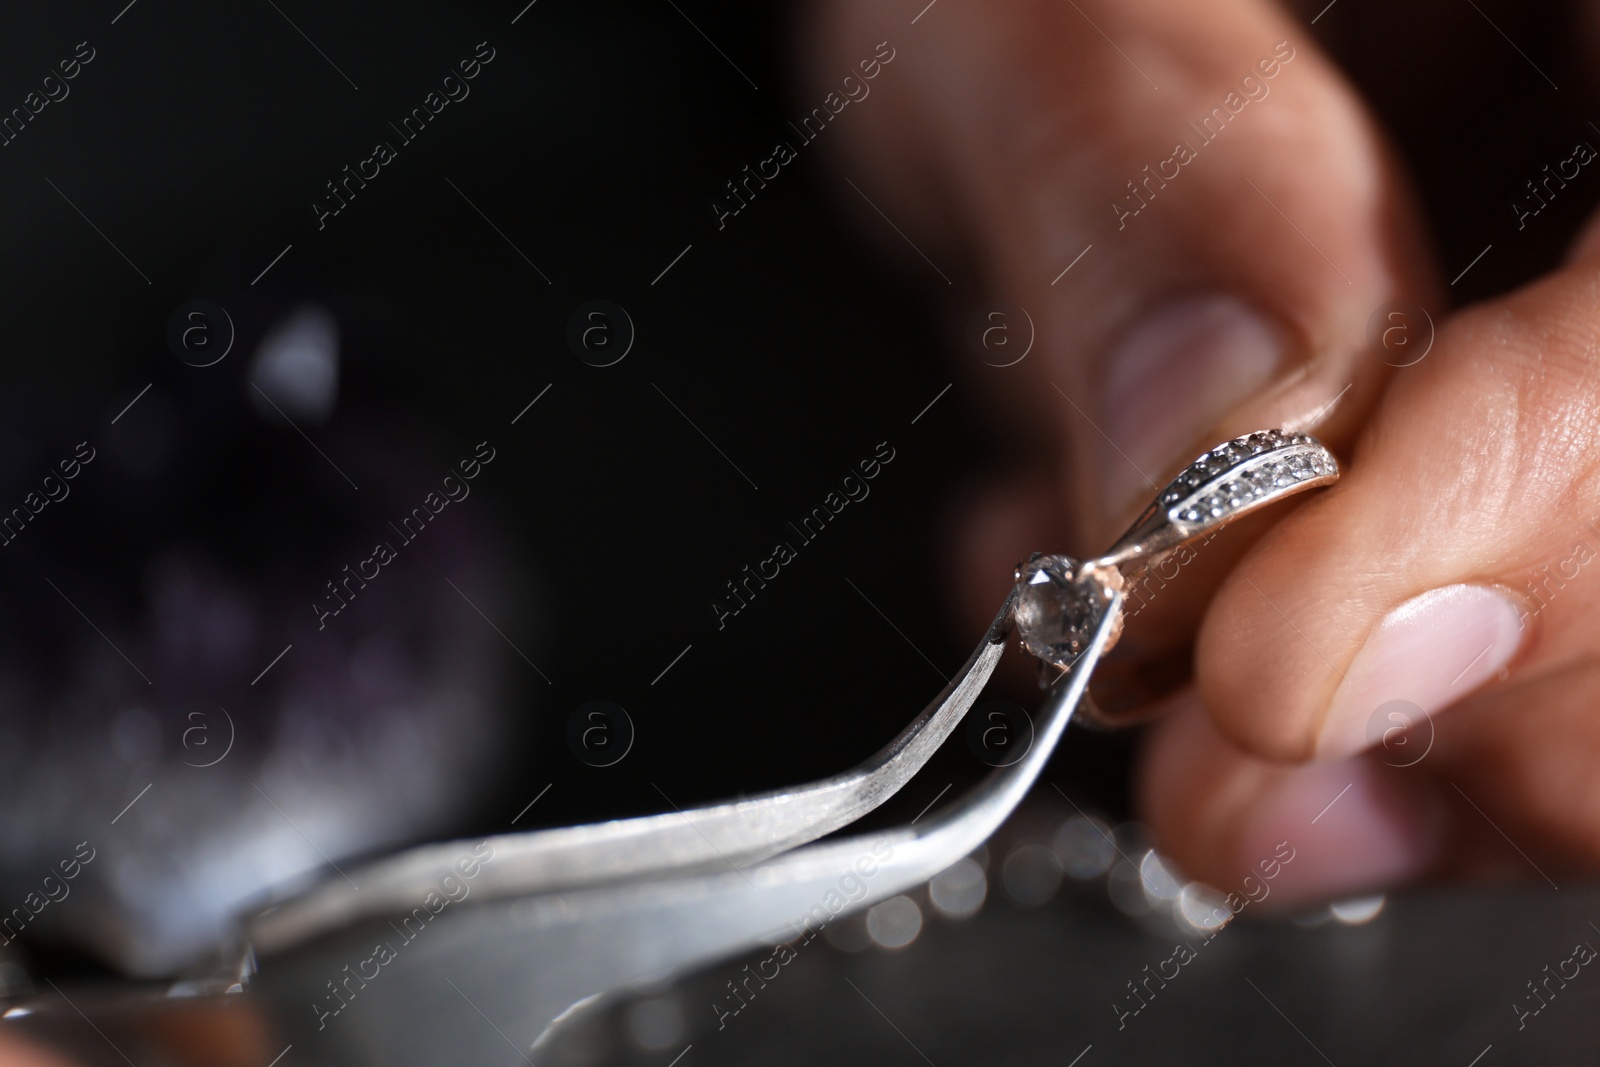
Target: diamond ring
[[1060, 600]]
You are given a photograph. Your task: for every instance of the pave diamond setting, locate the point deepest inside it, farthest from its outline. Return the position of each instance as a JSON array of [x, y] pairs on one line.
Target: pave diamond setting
[[1246, 473], [1060, 602]]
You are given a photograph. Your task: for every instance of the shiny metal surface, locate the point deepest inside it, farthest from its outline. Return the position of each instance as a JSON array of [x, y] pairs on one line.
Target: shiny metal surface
[[1231, 481], [533, 960], [736, 832]]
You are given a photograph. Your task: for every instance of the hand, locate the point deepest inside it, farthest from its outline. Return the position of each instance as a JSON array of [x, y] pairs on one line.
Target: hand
[[1448, 571], [1185, 293]]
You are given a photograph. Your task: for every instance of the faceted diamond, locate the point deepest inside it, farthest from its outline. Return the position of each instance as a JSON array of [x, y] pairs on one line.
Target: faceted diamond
[[1057, 612]]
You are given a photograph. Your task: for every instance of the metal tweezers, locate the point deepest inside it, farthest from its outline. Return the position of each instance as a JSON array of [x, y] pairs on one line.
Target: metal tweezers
[[556, 921]]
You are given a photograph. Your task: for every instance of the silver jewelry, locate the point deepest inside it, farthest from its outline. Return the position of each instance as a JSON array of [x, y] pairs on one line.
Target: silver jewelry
[[1060, 599]]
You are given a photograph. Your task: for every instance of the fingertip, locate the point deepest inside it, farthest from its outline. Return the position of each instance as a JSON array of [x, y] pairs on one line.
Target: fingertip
[[1424, 655], [1353, 827], [1299, 835]]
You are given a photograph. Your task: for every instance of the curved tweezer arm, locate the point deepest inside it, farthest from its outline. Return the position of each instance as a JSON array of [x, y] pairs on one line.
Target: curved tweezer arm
[[737, 832], [536, 959]]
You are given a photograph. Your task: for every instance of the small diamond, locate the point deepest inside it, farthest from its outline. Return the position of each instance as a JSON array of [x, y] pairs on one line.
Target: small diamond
[[1238, 474], [1057, 612]]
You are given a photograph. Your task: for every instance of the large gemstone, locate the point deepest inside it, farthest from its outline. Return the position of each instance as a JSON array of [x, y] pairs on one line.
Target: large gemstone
[[1058, 609]]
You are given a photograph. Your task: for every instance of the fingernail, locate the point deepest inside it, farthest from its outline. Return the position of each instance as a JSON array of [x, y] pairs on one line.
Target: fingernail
[[1429, 652], [1176, 375], [1345, 828]]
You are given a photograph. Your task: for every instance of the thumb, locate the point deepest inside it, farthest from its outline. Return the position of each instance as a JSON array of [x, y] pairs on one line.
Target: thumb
[[1188, 201]]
